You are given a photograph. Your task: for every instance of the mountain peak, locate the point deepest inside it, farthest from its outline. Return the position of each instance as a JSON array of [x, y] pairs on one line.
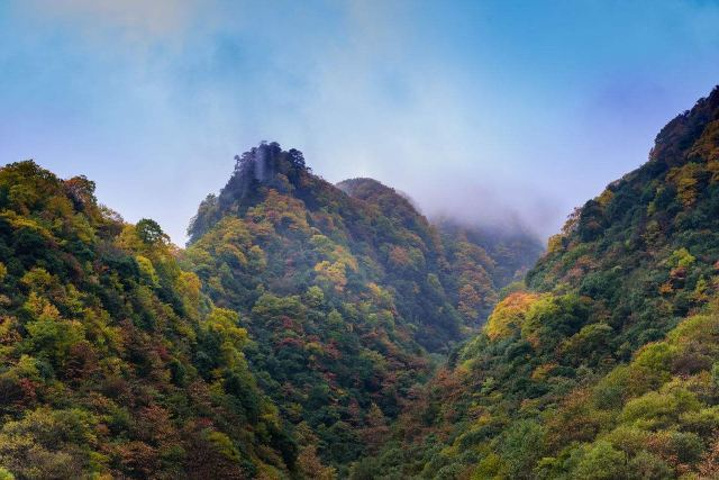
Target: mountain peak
[[266, 165], [374, 191], [673, 145], [263, 164]]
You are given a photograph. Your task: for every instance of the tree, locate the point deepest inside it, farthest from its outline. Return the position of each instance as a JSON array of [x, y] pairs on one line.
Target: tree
[[376, 430], [522, 447], [150, 232], [601, 461], [310, 465]]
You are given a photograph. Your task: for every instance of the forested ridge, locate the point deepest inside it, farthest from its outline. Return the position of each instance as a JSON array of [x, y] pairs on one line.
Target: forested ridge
[[312, 330], [114, 363], [605, 364], [349, 293], [359, 240], [281, 343]]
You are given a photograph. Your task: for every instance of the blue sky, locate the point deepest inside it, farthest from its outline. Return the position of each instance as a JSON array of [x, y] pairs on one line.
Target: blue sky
[[490, 110]]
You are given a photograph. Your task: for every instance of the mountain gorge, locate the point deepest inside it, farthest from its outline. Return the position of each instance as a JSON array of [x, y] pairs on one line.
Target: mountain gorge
[[605, 364], [346, 291], [480, 240], [312, 330], [282, 342]]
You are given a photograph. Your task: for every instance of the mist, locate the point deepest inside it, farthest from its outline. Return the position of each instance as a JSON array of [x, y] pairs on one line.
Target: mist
[[498, 116]]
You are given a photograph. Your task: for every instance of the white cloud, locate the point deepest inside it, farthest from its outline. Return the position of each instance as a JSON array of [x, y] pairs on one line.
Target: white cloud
[[446, 109]]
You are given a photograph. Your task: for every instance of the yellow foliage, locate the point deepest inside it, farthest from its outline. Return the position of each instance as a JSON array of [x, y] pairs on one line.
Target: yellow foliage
[[665, 288], [280, 211], [541, 372], [38, 280], [333, 273], [681, 258], [190, 286], [555, 243], [226, 322], [380, 297], [605, 198], [685, 179], [231, 251], [147, 269], [258, 259], [232, 230], [18, 222], [509, 314], [333, 252]]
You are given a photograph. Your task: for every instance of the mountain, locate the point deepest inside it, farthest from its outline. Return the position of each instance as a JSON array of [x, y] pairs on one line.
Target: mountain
[[281, 343], [480, 260], [512, 252], [312, 330], [606, 365], [346, 291], [114, 364]]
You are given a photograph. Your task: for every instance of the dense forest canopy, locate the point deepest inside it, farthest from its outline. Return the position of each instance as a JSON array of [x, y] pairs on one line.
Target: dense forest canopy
[[345, 289], [605, 365], [114, 363], [282, 342], [311, 330]]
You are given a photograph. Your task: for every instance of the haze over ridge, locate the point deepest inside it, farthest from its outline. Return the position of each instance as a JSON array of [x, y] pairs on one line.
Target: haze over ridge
[[484, 111]]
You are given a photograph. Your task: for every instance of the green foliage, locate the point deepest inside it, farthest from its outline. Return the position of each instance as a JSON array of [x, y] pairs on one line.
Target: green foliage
[[522, 446], [342, 290], [104, 344], [601, 461], [606, 365], [297, 335], [149, 231]]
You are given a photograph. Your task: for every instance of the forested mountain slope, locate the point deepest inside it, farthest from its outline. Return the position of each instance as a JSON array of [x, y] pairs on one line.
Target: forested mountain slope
[[112, 363], [512, 250], [480, 260], [344, 290], [607, 365], [280, 344], [296, 336]]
